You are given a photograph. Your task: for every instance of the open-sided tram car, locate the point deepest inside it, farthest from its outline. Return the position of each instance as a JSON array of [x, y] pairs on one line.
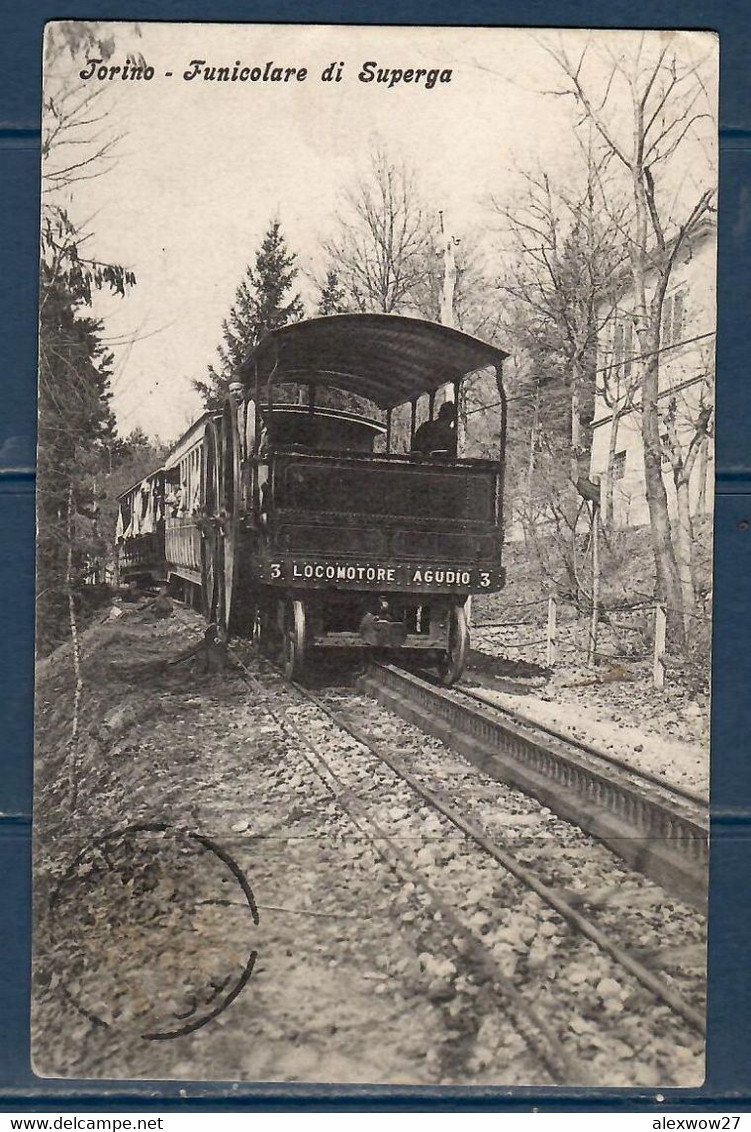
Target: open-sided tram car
[[318, 540], [303, 525]]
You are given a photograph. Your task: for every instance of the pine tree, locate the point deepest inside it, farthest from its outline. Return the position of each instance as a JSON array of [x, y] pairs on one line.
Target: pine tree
[[264, 301], [332, 299], [76, 425]]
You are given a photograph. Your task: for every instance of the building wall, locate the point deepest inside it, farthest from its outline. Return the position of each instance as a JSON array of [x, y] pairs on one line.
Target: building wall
[[686, 375]]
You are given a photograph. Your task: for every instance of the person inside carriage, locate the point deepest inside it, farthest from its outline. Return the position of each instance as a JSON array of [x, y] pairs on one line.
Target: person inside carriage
[[438, 437]]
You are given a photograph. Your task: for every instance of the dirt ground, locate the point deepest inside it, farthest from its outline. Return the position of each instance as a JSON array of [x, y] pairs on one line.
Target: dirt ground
[[613, 706]]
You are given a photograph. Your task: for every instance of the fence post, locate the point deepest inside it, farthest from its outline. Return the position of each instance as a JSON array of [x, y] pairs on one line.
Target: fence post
[[658, 670], [552, 633]]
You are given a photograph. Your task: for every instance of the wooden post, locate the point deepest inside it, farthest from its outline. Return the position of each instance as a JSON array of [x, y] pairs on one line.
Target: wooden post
[[658, 669], [592, 649], [448, 286], [447, 313], [552, 654]]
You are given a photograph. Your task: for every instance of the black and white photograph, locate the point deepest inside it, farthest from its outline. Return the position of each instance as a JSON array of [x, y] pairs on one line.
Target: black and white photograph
[[375, 485]]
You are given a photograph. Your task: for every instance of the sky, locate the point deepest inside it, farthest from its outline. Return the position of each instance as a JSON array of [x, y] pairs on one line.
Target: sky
[[201, 168]]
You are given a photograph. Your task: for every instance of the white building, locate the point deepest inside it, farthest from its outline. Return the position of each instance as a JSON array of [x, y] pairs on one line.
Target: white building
[[686, 388]]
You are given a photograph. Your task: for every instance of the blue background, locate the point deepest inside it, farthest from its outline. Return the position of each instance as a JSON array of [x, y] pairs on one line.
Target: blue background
[[728, 1083]]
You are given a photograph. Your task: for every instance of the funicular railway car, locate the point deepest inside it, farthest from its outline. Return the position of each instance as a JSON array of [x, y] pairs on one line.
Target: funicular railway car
[[316, 531], [140, 531], [185, 504]]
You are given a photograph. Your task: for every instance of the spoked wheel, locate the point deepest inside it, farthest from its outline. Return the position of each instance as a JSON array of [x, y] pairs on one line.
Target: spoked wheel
[[457, 652], [293, 641]]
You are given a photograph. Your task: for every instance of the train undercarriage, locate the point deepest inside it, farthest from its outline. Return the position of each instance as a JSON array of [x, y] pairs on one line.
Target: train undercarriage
[[292, 627]]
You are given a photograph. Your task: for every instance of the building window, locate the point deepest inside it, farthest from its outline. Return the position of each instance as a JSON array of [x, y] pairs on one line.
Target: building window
[[678, 328], [628, 348], [618, 470], [673, 318]]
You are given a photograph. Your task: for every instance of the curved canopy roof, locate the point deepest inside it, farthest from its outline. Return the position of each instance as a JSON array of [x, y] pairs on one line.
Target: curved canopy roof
[[387, 358]]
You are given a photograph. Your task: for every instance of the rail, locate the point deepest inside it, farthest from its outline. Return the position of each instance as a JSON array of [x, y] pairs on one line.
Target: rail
[[656, 829]]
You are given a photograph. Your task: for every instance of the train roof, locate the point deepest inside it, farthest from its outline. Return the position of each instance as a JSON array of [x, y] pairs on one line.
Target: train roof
[[143, 479], [389, 359], [192, 435]]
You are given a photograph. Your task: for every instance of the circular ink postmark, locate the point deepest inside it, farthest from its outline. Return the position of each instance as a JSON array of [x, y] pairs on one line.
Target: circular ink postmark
[[151, 931]]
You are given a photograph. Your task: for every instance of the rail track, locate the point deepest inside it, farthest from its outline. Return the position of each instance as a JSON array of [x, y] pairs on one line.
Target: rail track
[[658, 829], [529, 1021]]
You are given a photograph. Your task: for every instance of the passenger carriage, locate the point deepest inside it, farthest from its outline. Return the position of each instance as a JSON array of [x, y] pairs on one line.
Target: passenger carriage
[[185, 504], [139, 536], [319, 527]]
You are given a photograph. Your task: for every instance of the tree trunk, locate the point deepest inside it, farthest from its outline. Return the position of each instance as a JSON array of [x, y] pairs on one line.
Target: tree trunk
[[595, 614], [76, 650], [648, 318], [666, 564], [576, 444], [684, 536], [607, 513]]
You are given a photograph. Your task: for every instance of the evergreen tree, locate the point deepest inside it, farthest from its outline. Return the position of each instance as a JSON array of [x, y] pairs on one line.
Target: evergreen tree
[[75, 427], [264, 301], [332, 299]]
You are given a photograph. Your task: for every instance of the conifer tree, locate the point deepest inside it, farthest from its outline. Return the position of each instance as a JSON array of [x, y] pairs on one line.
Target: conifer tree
[[264, 301], [76, 424], [332, 299]]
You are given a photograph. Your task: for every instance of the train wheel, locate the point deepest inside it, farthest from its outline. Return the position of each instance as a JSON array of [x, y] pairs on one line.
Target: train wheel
[[457, 652], [293, 644]]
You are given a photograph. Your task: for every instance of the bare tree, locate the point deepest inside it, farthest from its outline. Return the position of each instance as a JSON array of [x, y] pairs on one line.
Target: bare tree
[[650, 107], [77, 146], [688, 431], [383, 252], [564, 259], [617, 384]]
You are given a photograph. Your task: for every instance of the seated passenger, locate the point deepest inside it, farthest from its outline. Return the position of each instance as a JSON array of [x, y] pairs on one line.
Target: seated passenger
[[438, 435], [174, 499]]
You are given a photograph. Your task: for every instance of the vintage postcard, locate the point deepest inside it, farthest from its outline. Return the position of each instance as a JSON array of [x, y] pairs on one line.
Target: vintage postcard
[[375, 487]]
